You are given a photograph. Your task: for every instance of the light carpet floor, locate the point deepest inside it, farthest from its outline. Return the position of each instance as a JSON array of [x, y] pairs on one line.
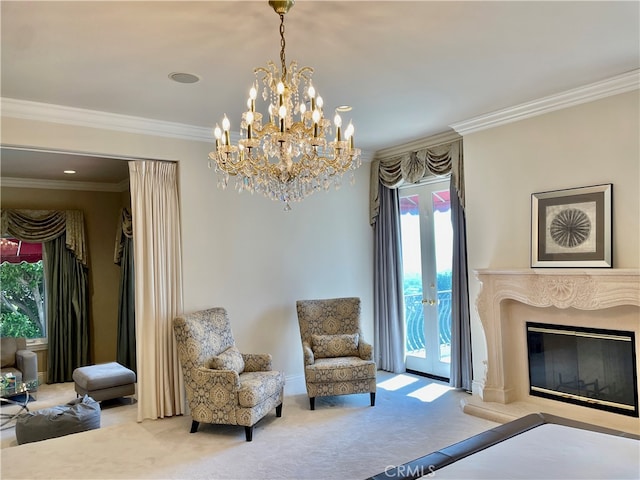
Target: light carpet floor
[[344, 438]]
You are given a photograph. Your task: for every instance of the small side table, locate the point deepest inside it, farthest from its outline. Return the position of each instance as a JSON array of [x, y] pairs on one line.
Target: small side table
[[8, 395]]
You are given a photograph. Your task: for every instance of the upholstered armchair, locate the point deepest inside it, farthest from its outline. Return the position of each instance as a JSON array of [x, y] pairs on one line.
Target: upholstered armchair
[[337, 359], [18, 360], [224, 386]]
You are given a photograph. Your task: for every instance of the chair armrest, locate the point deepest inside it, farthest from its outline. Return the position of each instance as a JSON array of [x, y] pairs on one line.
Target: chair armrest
[[204, 377], [27, 363], [365, 350], [257, 362], [309, 358]]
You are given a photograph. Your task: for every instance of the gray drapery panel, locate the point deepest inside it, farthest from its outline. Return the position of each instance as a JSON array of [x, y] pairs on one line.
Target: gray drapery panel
[[65, 261], [388, 295], [412, 167], [461, 361], [123, 256], [67, 311]]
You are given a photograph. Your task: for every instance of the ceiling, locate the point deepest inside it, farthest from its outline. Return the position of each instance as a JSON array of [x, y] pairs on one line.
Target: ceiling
[[408, 69]]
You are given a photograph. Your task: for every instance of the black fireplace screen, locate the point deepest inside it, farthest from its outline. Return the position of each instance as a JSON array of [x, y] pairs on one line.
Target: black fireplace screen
[[591, 367]]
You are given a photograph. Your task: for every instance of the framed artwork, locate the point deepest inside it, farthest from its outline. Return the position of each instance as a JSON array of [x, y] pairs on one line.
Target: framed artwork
[[572, 228]]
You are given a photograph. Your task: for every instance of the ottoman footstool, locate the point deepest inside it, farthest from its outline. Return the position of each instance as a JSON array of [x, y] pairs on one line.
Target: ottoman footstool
[[104, 381]]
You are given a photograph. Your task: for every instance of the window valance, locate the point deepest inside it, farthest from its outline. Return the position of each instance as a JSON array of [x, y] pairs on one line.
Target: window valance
[[47, 225], [412, 167]]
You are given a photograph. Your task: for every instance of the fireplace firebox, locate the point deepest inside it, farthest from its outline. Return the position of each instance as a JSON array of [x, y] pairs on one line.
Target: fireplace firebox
[[591, 367]]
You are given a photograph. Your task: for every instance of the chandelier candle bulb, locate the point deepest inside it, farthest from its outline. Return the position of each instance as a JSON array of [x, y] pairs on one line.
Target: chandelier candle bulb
[[283, 114], [249, 123], [338, 122], [226, 125], [218, 134], [312, 95], [280, 90], [349, 134], [253, 93], [315, 116]]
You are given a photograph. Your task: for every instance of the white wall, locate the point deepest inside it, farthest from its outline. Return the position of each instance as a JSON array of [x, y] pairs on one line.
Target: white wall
[[244, 252], [589, 144]]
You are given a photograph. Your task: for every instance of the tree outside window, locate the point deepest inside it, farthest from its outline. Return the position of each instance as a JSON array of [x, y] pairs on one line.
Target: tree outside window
[[22, 309]]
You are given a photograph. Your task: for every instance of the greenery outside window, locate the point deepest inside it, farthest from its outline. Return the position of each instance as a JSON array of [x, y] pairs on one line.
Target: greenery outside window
[[22, 307]]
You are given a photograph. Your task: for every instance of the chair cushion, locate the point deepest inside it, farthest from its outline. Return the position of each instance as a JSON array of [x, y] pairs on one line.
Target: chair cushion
[[340, 370], [331, 346], [230, 359], [256, 387]]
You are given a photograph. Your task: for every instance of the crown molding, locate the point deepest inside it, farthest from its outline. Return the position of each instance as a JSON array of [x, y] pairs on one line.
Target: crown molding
[[49, 112], [6, 182], [623, 83]]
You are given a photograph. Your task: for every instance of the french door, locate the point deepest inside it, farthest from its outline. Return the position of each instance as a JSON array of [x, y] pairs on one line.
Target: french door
[[427, 248]]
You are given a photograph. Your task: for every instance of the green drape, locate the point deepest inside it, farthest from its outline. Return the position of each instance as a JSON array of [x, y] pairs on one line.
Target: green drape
[[126, 347], [65, 260], [67, 311]]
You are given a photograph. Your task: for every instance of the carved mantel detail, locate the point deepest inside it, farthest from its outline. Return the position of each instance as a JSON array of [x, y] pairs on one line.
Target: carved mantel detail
[[584, 289]]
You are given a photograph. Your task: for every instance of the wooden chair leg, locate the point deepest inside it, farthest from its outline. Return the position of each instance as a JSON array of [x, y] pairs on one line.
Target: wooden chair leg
[[279, 410], [248, 431], [194, 426], [312, 403], [373, 399]]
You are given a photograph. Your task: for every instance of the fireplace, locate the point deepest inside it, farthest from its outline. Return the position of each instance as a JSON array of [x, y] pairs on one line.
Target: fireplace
[[585, 366], [593, 299]]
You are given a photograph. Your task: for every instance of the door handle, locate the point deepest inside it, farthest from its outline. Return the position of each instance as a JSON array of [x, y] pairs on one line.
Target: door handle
[[430, 301]]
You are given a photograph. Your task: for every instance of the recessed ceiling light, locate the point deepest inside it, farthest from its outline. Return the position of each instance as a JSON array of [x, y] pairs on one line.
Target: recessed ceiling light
[[344, 108], [182, 77], [69, 172]]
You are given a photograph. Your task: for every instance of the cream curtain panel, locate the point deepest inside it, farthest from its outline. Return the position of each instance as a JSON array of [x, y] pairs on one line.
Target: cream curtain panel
[[411, 167], [158, 287]]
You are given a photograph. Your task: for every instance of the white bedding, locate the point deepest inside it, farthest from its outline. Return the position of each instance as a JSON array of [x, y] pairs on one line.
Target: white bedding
[[550, 452]]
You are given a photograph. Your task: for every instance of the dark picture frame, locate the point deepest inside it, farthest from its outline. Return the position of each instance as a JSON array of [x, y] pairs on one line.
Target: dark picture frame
[[572, 227]]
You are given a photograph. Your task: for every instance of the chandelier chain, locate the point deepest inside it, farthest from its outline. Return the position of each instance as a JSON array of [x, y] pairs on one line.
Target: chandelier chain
[[282, 45]]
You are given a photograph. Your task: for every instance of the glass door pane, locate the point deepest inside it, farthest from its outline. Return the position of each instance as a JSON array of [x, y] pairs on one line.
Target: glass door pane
[[427, 242]]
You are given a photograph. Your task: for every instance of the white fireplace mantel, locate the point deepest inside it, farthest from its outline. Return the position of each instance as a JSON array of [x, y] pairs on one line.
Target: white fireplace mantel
[[548, 294]]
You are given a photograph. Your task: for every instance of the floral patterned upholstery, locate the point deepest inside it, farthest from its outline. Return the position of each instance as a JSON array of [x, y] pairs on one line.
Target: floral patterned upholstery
[[329, 325], [224, 396]]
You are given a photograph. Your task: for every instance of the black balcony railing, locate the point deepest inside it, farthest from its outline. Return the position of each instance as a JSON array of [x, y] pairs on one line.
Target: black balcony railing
[[414, 318]]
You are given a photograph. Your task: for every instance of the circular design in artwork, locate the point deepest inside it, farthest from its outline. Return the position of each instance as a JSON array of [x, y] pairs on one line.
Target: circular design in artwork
[[570, 227]]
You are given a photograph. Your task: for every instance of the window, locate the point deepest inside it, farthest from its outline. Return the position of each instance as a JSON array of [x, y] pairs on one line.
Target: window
[[22, 311]]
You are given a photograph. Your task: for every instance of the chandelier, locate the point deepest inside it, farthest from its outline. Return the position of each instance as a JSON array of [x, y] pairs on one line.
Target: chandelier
[[291, 151]]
